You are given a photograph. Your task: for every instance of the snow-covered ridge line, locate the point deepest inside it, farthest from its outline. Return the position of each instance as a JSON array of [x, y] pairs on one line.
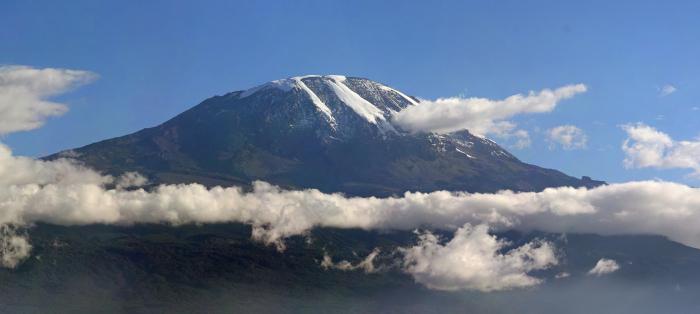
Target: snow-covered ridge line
[[284, 84], [409, 99], [314, 98], [358, 104]]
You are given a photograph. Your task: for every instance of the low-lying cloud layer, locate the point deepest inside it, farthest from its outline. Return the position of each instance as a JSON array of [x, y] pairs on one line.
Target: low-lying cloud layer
[[480, 115], [63, 193]]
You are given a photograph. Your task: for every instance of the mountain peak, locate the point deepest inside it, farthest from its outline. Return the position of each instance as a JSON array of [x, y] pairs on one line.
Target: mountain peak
[[374, 102]]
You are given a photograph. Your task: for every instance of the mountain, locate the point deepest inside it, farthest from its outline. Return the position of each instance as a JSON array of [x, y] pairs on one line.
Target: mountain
[[330, 132], [333, 133]]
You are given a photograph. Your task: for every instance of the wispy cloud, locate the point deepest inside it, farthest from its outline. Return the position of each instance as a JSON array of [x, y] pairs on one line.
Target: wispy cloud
[[569, 137], [667, 90], [367, 264]]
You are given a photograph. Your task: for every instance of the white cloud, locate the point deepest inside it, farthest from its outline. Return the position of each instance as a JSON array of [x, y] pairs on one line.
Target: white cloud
[[522, 138], [24, 92], [367, 264], [63, 193], [18, 171], [481, 116], [14, 247], [568, 136], [473, 260], [604, 266], [646, 147], [131, 180], [667, 90]]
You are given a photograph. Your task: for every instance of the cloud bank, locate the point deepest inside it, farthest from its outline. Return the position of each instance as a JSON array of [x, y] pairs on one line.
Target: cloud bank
[[647, 147], [24, 92], [482, 116], [646, 207]]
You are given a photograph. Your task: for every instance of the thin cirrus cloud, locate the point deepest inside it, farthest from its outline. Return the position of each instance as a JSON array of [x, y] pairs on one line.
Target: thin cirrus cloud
[[24, 91], [647, 147], [482, 116], [569, 137], [66, 193], [667, 89]]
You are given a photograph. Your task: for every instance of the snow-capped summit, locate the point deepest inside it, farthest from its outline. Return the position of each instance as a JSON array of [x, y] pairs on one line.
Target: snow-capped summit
[[330, 132], [335, 94]]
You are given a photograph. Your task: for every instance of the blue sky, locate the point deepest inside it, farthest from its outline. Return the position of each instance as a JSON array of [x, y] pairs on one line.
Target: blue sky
[[156, 59]]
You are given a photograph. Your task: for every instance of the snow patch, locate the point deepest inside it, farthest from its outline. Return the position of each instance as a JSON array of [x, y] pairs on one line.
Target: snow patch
[[305, 76], [438, 142], [465, 153], [499, 153]]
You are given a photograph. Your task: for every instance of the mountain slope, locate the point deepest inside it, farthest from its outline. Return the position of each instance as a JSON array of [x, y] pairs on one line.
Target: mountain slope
[[333, 133], [217, 269]]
